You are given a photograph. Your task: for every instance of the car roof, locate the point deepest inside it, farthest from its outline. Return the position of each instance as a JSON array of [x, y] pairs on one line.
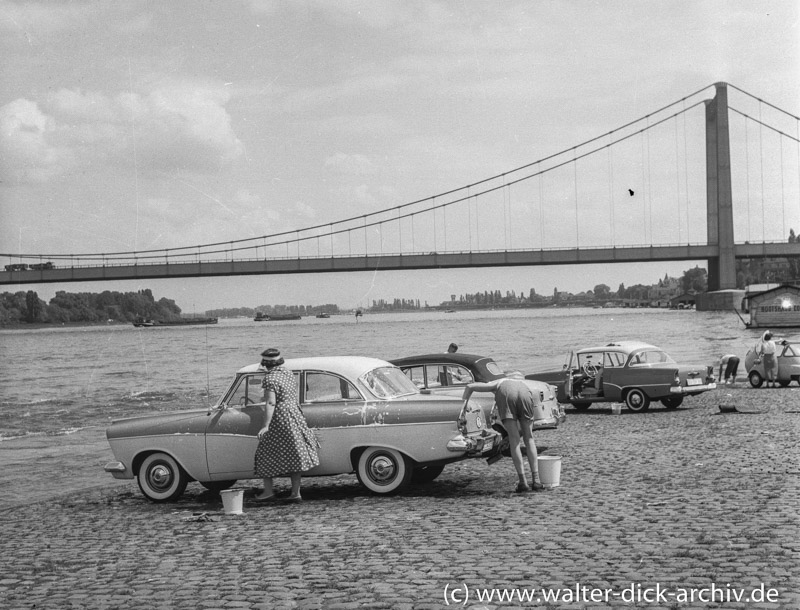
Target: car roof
[[619, 346], [454, 357], [347, 366]]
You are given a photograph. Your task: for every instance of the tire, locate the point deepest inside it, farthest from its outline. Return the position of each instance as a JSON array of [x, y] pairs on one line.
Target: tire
[[673, 402], [218, 485], [582, 405], [383, 471], [755, 378], [426, 474], [636, 400], [161, 478]]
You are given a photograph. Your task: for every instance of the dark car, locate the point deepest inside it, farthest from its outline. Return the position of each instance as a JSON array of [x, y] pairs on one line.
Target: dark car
[[448, 373], [632, 372]]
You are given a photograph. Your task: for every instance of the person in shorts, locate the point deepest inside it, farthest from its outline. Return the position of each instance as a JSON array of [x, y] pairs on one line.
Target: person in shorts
[[515, 407], [730, 364]]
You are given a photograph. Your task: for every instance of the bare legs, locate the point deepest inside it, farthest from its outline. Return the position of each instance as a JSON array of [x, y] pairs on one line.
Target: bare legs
[[295, 495], [513, 428], [268, 492]]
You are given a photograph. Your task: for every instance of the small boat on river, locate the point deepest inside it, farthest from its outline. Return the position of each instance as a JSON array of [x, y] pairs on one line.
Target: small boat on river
[[146, 322], [262, 317]]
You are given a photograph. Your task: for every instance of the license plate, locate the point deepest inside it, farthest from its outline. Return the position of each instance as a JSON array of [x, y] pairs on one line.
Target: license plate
[[694, 382], [488, 443]]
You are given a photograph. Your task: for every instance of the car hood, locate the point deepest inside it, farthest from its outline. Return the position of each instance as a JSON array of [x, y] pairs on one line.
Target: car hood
[[180, 422]]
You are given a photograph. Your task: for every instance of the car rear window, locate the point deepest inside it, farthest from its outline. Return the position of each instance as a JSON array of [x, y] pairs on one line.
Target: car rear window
[[494, 369]]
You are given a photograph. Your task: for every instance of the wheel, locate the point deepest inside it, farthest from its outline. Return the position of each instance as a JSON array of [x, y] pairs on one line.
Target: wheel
[[755, 378], [673, 402], [636, 400], [218, 485], [161, 478], [383, 470], [582, 405], [426, 474]]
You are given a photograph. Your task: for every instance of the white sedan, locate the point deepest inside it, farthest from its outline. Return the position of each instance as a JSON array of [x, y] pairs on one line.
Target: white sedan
[[368, 416]]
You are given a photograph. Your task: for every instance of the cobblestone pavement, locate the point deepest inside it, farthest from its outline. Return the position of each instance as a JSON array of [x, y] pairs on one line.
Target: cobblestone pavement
[[653, 508]]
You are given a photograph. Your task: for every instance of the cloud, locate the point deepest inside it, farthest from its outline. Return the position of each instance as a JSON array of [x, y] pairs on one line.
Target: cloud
[[175, 127], [353, 165]]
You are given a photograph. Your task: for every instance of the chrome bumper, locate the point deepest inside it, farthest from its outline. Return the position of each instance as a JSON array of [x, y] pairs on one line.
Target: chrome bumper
[[691, 389], [474, 445]]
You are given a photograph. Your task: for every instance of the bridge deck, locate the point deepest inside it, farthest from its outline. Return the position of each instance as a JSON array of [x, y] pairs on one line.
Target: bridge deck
[[392, 262]]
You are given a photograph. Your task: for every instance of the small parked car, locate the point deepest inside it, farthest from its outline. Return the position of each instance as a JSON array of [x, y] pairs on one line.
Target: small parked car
[[368, 417], [448, 373], [787, 358], [632, 372]]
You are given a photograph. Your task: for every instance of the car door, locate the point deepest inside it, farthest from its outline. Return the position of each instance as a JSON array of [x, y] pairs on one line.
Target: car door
[[232, 430], [334, 409]]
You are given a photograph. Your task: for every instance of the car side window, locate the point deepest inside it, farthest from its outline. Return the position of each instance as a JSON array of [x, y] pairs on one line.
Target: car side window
[[434, 376], [323, 387], [789, 352], [458, 375], [613, 360], [248, 391], [416, 374]]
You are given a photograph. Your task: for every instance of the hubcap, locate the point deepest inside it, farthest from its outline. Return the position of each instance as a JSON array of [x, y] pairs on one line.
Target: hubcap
[[382, 469], [160, 477]]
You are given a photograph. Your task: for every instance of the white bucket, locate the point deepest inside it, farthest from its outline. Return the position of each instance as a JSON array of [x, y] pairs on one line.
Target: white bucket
[[232, 501], [550, 470], [616, 409]]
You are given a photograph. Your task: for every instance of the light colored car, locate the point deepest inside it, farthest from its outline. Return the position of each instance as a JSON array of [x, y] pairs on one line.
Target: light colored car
[[632, 372], [369, 419], [787, 358], [448, 374]]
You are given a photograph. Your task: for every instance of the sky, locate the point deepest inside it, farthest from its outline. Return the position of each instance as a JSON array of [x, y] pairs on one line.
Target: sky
[[146, 125]]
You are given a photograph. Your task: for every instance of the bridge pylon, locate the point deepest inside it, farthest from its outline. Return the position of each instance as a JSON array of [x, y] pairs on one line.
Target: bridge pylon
[[719, 195]]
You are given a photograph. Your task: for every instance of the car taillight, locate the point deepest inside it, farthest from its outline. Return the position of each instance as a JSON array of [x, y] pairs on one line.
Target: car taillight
[[677, 379]]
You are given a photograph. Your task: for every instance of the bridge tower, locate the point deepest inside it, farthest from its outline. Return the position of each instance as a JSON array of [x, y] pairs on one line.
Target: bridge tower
[[719, 196]]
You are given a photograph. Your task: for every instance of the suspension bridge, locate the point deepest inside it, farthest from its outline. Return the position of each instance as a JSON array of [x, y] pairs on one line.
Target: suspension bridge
[[700, 179]]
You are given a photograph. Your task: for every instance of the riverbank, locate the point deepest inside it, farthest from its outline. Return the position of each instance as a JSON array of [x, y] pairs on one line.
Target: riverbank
[[682, 500]]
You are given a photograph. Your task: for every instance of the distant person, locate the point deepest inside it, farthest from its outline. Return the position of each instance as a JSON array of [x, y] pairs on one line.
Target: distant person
[[452, 348], [515, 404], [766, 350], [730, 364], [286, 445]]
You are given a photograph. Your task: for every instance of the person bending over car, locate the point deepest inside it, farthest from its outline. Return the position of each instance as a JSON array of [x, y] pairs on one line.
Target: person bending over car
[[515, 404]]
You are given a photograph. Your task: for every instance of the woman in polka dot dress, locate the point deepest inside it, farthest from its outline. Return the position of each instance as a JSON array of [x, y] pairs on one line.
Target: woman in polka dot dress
[[286, 445]]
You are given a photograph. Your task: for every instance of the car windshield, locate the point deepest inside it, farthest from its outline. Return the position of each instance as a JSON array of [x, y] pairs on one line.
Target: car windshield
[[650, 357], [389, 382]]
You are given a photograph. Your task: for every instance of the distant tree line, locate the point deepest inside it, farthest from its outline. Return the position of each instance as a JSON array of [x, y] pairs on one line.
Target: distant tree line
[[273, 310], [67, 307]]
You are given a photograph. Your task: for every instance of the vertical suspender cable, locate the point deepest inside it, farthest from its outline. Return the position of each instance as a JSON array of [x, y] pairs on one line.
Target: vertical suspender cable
[[611, 187], [575, 180], [505, 219], [644, 197], [469, 218], [747, 172], [783, 200], [761, 159], [677, 180], [400, 229], [686, 176], [649, 183], [433, 209], [541, 213]]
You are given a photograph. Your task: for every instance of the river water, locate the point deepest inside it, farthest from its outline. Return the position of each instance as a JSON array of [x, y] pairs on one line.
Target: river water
[[58, 380]]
